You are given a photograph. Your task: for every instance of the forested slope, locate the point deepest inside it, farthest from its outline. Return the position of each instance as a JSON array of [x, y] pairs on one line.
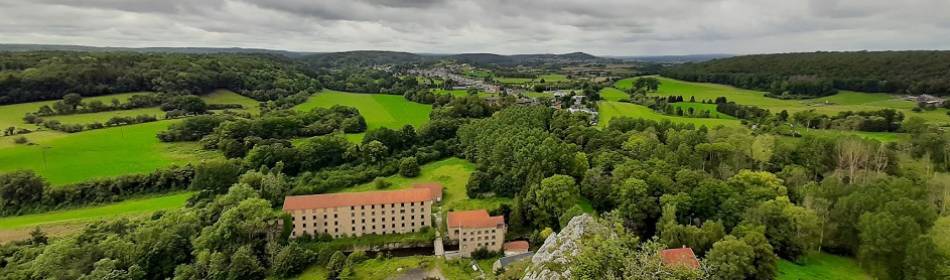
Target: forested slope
[[819, 73], [33, 76]]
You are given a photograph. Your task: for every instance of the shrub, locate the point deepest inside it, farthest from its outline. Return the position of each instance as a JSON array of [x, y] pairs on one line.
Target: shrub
[[20, 140], [381, 183], [409, 167]]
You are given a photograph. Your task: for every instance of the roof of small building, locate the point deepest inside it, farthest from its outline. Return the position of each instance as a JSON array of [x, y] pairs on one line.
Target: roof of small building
[[317, 201], [474, 219], [516, 246], [435, 188], [505, 261], [680, 256]]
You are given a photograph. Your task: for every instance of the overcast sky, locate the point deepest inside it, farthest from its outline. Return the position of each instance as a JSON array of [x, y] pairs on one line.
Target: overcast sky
[[602, 27]]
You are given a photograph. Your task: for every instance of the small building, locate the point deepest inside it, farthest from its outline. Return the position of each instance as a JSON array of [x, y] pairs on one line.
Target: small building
[[476, 229], [360, 213], [506, 261], [515, 247], [680, 257]]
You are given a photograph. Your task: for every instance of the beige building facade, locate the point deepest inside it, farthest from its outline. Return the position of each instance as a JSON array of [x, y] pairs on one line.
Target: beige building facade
[[361, 213], [476, 229]]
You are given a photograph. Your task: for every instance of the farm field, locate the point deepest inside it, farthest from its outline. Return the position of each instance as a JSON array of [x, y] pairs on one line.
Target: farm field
[[379, 110], [223, 96], [611, 109], [453, 173], [16, 227], [13, 113], [822, 266], [843, 101], [70, 158]]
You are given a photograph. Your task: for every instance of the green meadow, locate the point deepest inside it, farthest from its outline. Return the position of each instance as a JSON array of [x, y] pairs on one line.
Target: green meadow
[[64, 158], [99, 153], [840, 102], [453, 174], [379, 110], [92, 213], [612, 109], [822, 266], [700, 107]]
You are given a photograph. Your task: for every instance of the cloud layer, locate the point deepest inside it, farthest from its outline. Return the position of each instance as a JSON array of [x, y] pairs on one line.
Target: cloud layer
[[604, 27]]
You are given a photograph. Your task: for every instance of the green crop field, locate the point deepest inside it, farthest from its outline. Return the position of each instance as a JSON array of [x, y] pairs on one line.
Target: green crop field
[[843, 101], [822, 266], [453, 174], [610, 109], [700, 107], [379, 110], [99, 153]]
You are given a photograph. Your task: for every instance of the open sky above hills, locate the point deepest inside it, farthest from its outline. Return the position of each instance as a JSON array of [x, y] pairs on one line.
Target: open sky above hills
[[602, 27]]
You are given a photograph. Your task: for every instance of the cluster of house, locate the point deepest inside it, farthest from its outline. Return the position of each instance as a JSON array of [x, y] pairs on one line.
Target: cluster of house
[[926, 99], [462, 82], [392, 212]]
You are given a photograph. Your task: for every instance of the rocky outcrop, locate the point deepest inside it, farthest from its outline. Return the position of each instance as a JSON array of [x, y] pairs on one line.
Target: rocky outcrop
[[550, 261]]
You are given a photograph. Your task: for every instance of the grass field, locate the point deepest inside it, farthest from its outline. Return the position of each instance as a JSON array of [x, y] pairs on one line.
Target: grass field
[[453, 173], [610, 109], [64, 221], [460, 92], [613, 94], [99, 153], [223, 96], [388, 268], [13, 114], [843, 101], [379, 110], [700, 107], [822, 266]]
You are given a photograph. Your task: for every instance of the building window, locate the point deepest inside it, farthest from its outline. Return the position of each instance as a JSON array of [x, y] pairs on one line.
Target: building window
[[334, 216], [303, 218]]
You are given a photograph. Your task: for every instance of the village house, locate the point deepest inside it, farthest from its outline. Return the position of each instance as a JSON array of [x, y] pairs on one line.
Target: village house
[[680, 257], [360, 213], [476, 229]]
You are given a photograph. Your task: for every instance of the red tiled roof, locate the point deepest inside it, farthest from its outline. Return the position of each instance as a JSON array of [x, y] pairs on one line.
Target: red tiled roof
[[317, 201], [474, 219], [516, 246], [435, 188], [681, 256]]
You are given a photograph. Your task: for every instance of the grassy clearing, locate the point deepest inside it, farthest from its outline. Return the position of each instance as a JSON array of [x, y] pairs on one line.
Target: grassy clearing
[[13, 114], [391, 268], [99, 153], [453, 174], [460, 92], [87, 214], [843, 101], [223, 96], [700, 107], [610, 109], [379, 110], [822, 266], [613, 94]]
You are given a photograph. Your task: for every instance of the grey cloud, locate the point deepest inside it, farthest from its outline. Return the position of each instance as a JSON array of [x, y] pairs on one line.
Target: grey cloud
[[609, 27]]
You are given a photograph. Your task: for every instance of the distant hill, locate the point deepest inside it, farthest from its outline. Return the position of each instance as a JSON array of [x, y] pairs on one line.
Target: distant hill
[[674, 58], [188, 50], [914, 72]]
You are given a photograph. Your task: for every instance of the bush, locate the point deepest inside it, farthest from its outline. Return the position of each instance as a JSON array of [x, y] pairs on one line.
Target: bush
[[20, 140], [409, 167], [381, 183]]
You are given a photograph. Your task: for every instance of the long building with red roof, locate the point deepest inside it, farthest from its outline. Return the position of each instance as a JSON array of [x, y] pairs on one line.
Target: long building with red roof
[[359, 213], [476, 229]]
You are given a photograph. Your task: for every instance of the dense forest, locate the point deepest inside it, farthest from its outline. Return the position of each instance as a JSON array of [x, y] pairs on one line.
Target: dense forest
[[795, 75], [34, 76]]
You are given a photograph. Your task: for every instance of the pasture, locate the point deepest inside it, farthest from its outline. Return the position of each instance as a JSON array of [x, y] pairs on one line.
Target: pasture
[[379, 110], [700, 107], [18, 227], [108, 152], [453, 174], [830, 105], [821, 266], [610, 109]]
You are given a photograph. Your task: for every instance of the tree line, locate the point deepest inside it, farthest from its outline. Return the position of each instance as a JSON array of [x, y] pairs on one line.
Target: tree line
[[803, 75]]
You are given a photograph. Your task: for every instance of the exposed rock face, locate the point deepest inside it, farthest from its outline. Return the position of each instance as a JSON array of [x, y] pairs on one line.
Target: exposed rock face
[[550, 262]]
